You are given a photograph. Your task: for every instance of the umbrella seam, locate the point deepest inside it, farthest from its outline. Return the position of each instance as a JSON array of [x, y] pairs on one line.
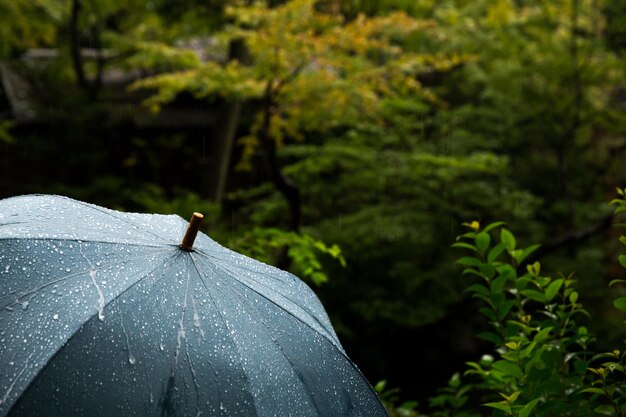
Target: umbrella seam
[[312, 314], [73, 275], [280, 348], [86, 240], [106, 211], [78, 329], [352, 364], [96, 208], [219, 313], [231, 274]]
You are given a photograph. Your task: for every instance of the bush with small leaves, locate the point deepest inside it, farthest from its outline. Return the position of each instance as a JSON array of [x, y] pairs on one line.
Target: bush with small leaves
[[541, 364]]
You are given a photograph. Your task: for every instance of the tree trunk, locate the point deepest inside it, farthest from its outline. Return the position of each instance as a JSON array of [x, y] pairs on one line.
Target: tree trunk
[[222, 148], [77, 58], [91, 88], [285, 185], [224, 138]]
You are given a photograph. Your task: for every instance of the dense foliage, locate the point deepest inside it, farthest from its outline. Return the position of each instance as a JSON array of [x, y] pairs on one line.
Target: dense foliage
[[360, 134], [543, 361]]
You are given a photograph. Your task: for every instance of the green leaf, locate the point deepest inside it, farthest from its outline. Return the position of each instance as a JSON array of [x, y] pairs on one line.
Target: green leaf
[[573, 297], [479, 288], [408, 406], [502, 405], [527, 350], [491, 337], [605, 410], [534, 269], [620, 303], [497, 298], [468, 261], [495, 252], [508, 368], [522, 282], [468, 235], [489, 313], [380, 386], [510, 398], [534, 295], [617, 281], [553, 289], [542, 334], [482, 297], [504, 308], [528, 408], [482, 241], [464, 245], [508, 239], [594, 391], [472, 271], [492, 226], [498, 284], [622, 260], [536, 359], [526, 252], [487, 270], [455, 380]]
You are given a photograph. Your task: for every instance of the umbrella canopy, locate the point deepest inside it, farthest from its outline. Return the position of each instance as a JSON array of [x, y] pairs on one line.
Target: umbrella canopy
[[103, 313]]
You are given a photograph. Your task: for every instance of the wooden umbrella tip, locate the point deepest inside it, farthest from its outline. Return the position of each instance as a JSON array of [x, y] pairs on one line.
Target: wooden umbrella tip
[[192, 232]]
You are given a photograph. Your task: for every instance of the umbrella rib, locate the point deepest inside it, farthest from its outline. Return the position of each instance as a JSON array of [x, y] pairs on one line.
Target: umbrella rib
[[63, 239], [221, 316], [352, 364], [102, 210], [267, 330], [91, 317], [65, 278], [173, 255], [8, 391], [232, 275], [105, 211]]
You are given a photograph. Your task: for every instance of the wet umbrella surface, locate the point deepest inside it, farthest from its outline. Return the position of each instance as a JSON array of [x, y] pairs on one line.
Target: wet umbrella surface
[[103, 314]]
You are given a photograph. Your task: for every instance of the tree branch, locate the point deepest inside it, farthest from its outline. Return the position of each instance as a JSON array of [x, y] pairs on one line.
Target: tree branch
[[571, 238]]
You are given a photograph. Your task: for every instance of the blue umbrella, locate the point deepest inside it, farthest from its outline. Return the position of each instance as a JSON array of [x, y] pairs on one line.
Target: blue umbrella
[[104, 313]]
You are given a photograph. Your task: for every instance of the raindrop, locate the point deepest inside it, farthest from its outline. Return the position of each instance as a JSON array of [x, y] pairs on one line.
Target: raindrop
[[24, 305], [55, 317], [131, 359]]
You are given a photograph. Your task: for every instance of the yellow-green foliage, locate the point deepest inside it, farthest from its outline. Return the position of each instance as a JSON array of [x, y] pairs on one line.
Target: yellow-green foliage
[[318, 70]]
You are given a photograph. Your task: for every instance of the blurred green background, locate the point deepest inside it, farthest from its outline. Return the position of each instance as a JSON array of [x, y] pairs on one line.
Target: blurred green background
[[343, 140]]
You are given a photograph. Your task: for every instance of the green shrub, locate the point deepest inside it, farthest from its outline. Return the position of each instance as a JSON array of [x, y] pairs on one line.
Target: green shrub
[[542, 364]]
